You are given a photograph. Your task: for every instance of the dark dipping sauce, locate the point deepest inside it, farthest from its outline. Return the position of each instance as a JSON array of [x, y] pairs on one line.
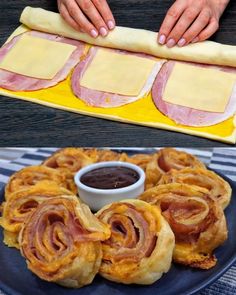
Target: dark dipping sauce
[[110, 177]]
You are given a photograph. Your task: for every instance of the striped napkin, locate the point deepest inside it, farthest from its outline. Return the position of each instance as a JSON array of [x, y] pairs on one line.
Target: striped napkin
[[220, 159]]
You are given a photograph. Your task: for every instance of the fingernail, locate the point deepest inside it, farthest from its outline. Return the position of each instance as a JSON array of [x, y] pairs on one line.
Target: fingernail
[[94, 33], [170, 43], [103, 31], [162, 39], [195, 40], [181, 42], [110, 24]]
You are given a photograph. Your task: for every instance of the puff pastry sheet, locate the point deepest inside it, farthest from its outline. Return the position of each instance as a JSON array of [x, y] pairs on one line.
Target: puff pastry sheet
[[61, 96]]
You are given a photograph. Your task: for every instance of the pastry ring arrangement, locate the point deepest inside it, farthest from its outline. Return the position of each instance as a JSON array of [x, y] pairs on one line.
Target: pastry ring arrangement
[[179, 217]]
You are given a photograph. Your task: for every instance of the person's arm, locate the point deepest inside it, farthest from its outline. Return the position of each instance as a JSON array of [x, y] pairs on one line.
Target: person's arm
[[190, 21], [93, 17]]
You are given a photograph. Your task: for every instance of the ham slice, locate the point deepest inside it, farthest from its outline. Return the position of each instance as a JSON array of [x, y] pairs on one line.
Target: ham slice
[[185, 115], [17, 82], [102, 99]]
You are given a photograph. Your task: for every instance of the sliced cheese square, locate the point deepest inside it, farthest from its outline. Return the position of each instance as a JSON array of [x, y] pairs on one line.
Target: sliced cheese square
[[117, 73], [37, 57], [199, 88]]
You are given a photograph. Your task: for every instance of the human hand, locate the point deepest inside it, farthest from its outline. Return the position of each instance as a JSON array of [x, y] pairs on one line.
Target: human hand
[[190, 21], [93, 17]]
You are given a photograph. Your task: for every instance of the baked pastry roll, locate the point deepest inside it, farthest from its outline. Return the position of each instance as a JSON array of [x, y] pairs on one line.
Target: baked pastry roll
[[103, 155], [196, 219], [69, 161], [22, 203], [218, 188], [140, 248], [61, 241], [168, 159], [30, 175], [143, 161]]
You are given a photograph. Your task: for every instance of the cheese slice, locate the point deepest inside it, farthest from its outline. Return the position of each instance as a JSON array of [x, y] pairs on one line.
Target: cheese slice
[[199, 88], [37, 57], [117, 73]]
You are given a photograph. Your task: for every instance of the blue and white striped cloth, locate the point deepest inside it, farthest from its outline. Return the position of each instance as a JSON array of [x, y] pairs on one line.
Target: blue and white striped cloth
[[221, 159]]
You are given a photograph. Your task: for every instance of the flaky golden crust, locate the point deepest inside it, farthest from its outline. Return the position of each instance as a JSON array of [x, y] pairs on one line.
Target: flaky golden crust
[[168, 159], [30, 175], [61, 241], [196, 219], [218, 188], [172, 159], [141, 160], [22, 203], [105, 155], [144, 161], [68, 161], [140, 248]]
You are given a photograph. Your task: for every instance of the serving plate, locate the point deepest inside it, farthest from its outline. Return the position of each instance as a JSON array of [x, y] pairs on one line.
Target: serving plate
[[16, 279]]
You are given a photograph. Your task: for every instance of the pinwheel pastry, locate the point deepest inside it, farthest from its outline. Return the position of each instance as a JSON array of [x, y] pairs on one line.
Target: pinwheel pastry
[[21, 204], [61, 242], [69, 161], [168, 159], [30, 175], [218, 188], [141, 244], [196, 219]]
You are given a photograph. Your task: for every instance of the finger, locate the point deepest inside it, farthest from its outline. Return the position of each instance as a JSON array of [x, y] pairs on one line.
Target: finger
[[94, 16], [66, 16], [105, 12], [170, 20], [182, 25], [209, 30], [200, 23], [78, 16]]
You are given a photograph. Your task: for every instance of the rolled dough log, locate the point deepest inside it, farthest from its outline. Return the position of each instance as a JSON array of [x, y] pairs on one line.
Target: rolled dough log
[[130, 39]]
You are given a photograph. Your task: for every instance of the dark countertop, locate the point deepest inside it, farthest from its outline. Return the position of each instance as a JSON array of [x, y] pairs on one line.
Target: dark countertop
[[28, 124]]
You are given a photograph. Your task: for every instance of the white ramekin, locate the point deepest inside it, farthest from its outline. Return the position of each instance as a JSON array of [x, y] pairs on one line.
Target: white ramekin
[[97, 198]]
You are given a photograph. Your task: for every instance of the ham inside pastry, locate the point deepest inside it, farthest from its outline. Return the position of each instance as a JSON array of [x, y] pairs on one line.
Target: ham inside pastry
[[168, 159], [68, 161], [196, 219], [61, 242], [22, 203], [217, 187], [140, 248], [31, 175]]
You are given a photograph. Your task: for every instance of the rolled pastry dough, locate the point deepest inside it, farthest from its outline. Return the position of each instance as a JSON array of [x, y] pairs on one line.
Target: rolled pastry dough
[[31, 56], [118, 73], [199, 88], [136, 40]]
